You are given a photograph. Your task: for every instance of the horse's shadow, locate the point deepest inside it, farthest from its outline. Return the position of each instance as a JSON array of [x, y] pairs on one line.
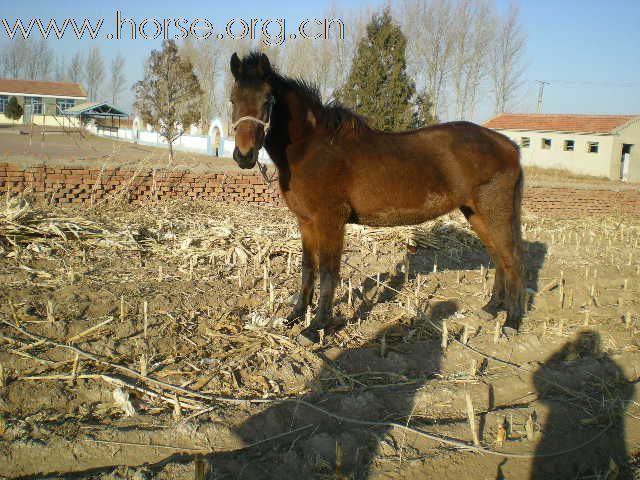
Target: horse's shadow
[[314, 452], [375, 385], [472, 256], [292, 440]]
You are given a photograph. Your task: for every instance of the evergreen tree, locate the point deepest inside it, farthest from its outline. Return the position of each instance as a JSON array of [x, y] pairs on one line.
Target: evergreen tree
[[14, 110], [423, 115], [378, 87]]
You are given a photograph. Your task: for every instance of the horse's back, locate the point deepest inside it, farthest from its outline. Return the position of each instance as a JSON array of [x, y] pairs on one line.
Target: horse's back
[[411, 177]]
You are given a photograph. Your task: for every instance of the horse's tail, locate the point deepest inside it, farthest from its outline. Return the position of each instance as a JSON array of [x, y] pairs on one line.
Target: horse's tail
[[517, 233], [517, 208]]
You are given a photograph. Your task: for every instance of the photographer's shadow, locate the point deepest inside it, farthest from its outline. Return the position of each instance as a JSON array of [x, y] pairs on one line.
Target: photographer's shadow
[[587, 396]]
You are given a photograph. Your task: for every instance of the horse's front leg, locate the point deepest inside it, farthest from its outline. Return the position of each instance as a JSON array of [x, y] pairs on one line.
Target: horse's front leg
[[329, 237], [308, 273]]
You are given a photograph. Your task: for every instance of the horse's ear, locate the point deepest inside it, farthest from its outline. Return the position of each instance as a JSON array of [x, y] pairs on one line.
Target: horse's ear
[[264, 66], [236, 65]]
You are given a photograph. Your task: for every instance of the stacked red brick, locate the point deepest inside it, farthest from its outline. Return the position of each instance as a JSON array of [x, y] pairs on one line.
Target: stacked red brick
[[76, 185], [73, 185]]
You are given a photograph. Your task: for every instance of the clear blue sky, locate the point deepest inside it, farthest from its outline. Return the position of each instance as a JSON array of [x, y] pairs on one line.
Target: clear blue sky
[[588, 49]]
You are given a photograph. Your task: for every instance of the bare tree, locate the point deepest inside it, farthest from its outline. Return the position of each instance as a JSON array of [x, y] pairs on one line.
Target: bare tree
[[507, 52], [94, 72], [16, 57], [60, 68], [38, 61], [223, 105], [207, 61], [430, 26], [117, 78], [169, 97], [75, 71], [337, 53], [3, 60], [474, 27]]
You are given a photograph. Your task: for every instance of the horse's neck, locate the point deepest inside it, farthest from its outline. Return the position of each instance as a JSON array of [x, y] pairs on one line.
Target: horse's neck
[[289, 125]]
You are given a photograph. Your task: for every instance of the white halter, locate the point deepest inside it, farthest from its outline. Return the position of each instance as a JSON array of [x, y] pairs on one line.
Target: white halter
[[265, 125]]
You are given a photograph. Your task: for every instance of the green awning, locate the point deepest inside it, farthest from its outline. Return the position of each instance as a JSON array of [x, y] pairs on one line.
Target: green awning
[[95, 109]]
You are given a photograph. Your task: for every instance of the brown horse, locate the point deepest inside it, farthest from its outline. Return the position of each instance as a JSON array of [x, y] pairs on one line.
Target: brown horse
[[334, 169]]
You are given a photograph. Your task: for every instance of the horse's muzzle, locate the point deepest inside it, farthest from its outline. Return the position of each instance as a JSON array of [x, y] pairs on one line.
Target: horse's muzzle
[[245, 161]]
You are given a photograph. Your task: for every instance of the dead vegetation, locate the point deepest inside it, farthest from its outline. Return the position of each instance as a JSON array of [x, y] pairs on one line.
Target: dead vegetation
[[158, 328]]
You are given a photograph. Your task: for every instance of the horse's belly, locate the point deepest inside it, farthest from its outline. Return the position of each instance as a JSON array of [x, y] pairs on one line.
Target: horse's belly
[[391, 216]]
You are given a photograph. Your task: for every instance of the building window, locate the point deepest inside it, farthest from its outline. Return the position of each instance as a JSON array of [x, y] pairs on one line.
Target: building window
[[63, 104], [4, 99], [36, 104], [569, 145], [546, 144], [592, 147], [525, 142]]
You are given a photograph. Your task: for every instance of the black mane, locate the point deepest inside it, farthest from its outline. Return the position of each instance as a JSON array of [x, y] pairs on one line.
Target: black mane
[[333, 115]]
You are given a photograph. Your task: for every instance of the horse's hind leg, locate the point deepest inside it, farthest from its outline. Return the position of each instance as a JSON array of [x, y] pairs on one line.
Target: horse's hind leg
[[479, 225], [497, 205]]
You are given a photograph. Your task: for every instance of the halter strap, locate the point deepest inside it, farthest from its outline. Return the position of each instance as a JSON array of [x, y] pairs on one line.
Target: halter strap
[[249, 118], [265, 125]]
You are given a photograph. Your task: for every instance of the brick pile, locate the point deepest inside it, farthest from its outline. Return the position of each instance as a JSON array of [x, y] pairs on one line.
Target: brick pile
[[62, 185]]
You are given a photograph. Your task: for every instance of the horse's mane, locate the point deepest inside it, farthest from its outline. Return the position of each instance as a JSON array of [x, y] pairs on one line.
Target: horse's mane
[[333, 115]]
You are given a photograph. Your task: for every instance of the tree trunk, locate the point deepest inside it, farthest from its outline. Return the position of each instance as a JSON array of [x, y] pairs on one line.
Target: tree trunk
[[170, 142]]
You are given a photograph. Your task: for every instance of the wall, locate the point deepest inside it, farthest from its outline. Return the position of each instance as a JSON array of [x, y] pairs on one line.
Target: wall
[[579, 161], [48, 120], [75, 185], [631, 135], [190, 143]]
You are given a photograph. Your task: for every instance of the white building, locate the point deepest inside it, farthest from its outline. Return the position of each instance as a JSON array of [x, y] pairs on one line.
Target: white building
[[598, 145]]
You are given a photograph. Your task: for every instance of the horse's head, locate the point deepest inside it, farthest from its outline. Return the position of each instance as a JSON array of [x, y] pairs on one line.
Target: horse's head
[[252, 101]]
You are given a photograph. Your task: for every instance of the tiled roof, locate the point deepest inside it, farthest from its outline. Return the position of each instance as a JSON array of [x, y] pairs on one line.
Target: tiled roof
[[559, 122], [33, 87]]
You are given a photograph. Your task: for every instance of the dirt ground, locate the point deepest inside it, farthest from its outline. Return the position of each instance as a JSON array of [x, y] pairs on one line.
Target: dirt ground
[[145, 342], [84, 150]]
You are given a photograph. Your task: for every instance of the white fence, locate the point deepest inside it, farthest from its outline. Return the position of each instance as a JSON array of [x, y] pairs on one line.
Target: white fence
[[204, 144]]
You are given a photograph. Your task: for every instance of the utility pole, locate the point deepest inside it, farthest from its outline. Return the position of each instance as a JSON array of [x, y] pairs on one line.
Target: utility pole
[[540, 94]]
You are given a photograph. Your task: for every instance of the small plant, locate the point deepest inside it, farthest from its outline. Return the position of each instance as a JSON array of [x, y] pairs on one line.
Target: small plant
[[14, 110]]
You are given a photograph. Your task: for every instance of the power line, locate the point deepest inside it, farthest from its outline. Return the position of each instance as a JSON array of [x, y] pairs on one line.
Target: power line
[[595, 84]]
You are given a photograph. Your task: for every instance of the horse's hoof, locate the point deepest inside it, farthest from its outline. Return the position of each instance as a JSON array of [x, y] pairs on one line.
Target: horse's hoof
[[493, 307], [485, 316], [509, 332], [308, 337], [292, 320]]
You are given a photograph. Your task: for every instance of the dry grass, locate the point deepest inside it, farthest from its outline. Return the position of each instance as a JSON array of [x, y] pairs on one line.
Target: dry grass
[[180, 320], [560, 175]]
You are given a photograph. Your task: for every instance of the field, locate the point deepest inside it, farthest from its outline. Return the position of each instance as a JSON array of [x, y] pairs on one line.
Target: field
[[90, 151], [146, 342]]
